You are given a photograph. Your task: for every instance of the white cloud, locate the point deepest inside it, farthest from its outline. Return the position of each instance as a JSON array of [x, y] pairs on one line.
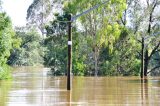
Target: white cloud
[[17, 10]]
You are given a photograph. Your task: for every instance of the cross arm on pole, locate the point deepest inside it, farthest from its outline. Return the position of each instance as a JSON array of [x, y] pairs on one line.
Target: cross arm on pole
[[71, 19]]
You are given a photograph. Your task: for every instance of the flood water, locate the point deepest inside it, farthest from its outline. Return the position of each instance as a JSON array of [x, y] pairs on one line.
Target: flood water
[[32, 87]]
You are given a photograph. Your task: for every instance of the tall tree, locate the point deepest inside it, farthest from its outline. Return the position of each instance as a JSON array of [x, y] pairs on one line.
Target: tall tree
[[55, 41], [100, 26], [145, 22], [31, 50], [7, 43], [41, 11]]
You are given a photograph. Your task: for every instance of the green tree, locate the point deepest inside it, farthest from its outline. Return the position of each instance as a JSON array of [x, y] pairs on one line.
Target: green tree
[[155, 62], [56, 56], [7, 43], [100, 26], [56, 40], [145, 24], [31, 50], [40, 11]]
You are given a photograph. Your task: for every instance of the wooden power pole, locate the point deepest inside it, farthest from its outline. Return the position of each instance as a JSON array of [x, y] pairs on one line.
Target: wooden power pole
[[71, 19], [69, 53]]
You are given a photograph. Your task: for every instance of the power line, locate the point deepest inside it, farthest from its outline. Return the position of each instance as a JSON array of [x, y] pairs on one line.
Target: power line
[[87, 11]]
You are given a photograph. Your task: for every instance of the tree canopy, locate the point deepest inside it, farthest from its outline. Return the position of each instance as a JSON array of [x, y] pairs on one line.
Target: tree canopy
[[120, 37], [7, 43]]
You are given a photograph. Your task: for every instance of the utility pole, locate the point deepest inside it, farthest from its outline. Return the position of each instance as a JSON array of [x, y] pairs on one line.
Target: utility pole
[[71, 19], [69, 53]]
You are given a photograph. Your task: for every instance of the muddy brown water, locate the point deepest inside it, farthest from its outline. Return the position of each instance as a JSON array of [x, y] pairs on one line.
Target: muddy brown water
[[32, 87]]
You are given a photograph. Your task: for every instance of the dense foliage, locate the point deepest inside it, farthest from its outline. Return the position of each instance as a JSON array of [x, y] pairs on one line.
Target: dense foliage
[[7, 43], [145, 25], [31, 50], [107, 41], [99, 45], [56, 39]]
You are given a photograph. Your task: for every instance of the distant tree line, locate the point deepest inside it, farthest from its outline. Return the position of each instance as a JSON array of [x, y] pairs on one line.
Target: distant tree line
[[106, 42]]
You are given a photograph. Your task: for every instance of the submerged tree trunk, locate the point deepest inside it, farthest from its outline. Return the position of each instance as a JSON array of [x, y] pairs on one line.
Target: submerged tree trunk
[[96, 61], [95, 65], [146, 61], [142, 59]]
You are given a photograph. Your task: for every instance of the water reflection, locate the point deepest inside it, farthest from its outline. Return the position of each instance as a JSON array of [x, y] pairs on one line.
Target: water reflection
[[4, 89], [32, 87], [69, 98], [144, 91]]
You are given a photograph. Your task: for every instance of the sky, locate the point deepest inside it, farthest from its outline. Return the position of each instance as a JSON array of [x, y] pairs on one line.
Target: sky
[[17, 10]]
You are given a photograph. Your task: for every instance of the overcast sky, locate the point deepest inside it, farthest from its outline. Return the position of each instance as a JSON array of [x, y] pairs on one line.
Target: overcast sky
[[17, 10]]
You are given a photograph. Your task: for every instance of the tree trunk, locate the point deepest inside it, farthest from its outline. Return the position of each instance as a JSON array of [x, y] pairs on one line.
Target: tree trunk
[[146, 60], [96, 69], [142, 58], [96, 61]]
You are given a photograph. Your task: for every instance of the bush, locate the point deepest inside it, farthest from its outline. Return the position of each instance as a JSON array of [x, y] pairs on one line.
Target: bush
[[5, 72]]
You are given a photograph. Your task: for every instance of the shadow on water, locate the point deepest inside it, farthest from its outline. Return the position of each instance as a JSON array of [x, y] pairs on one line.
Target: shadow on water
[[32, 87]]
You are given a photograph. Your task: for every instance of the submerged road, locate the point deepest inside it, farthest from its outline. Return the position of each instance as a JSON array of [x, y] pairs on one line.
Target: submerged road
[[32, 87]]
